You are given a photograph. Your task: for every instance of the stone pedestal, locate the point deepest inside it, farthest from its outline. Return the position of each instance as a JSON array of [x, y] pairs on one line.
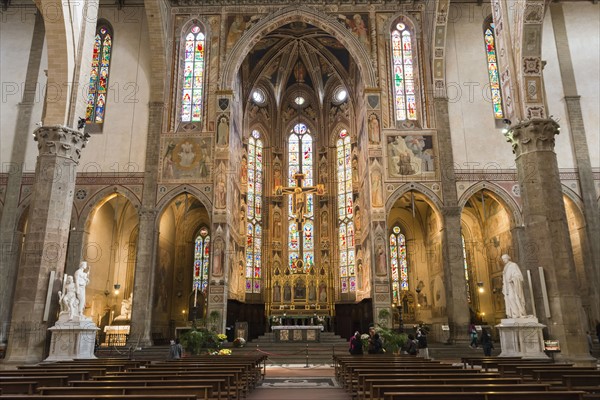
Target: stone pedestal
[[521, 337], [72, 340]]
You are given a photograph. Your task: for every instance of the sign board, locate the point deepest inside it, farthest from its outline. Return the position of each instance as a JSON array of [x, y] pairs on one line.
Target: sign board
[[445, 327], [478, 328], [552, 346]]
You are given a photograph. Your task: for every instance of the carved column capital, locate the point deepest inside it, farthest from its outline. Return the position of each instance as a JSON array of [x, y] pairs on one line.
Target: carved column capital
[[61, 141], [533, 135]]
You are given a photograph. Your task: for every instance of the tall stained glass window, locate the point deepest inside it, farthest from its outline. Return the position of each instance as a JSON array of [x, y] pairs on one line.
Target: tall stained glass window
[[201, 260], [466, 268], [405, 102], [301, 245], [492, 63], [345, 213], [254, 214], [98, 87], [398, 264], [193, 76]]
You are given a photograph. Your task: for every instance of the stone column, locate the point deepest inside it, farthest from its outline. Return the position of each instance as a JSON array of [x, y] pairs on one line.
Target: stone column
[[143, 283], [581, 155], [46, 240], [548, 241], [452, 255], [9, 237]]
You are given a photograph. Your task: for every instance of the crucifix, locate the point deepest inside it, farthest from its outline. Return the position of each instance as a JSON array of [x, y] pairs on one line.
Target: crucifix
[[299, 193]]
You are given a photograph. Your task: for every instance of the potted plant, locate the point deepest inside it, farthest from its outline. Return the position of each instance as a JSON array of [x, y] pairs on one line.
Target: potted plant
[[393, 341]]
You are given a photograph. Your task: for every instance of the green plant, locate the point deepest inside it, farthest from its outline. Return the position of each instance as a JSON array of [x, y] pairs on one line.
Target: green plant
[[392, 341], [213, 319], [198, 340]]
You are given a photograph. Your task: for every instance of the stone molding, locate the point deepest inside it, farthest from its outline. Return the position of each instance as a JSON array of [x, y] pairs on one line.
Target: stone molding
[[533, 135], [62, 141]]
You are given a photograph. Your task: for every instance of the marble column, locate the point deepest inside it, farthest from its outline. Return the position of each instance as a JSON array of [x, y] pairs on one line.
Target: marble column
[[10, 238], [452, 256], [46, 240], [548, 242]]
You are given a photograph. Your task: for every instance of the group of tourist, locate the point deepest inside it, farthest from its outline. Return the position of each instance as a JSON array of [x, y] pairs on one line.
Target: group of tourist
[[414, 345], [485, 339]]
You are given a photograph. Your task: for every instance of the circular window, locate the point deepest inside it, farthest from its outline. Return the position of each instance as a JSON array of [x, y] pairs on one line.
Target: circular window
[[299, 100], [340, 95], [400, 26], [258, 96]]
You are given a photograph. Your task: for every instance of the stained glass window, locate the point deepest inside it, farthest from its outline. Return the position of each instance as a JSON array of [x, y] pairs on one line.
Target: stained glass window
[[345, 212], [300, 160], [466, 267], [98, 86], [398, 264], [254, 214], [201, 260], [405, 102], [492, 63], [193, 76]]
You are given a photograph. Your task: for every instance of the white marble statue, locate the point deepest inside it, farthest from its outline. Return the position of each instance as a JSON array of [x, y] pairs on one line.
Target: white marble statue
[[125, 314], [512, 288], [67, 298], [81, 279]]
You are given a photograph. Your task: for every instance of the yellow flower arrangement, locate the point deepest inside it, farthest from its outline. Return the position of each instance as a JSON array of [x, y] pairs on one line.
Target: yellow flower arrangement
[[225, 352], [222, 337]]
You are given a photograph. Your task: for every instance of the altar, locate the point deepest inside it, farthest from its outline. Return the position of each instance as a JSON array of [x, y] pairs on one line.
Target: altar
[[297, 333]]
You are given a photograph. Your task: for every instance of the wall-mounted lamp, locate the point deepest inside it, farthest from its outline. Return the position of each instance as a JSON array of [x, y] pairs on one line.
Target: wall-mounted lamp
[[117, 287], [480, 287], [507, 123]]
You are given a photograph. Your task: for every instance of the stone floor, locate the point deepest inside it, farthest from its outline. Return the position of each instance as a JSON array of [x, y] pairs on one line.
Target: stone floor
[[295, 382]]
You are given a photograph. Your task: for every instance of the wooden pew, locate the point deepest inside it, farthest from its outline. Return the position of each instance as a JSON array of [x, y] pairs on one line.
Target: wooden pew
[[511, 368], [571, 395], [100, 397], [486, 365], [472, 361], [557, 374], [62, 370], [527, 371], [587, 382], [70, 374], [217, 385], [379, 390], [366, 384], [18, 387], [201, 392], [232, 387], [46, 380]]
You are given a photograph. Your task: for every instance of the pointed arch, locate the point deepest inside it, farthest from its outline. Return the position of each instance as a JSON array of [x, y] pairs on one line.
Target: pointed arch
[[429, 195], [284, 16], [504, 198], [182, 189], [99, 198]]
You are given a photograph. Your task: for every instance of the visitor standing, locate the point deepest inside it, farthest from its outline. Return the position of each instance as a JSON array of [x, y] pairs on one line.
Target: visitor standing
[[486, 342]]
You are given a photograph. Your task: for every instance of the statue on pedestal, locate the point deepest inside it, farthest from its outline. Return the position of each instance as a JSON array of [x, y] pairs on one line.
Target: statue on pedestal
[[125, 314], [67, 298], [81, 279], [512, 288]]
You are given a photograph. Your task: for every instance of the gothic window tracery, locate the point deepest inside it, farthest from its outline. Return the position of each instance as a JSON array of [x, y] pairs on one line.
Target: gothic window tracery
[[201, 260], [345, 213], [492, 65], [403, 73], [98, 85], [192, 91], [399, 264], [301, 245], [254, 213]]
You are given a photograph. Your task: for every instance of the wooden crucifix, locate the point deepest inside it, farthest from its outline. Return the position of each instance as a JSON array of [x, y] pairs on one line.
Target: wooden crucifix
[[299, 193]]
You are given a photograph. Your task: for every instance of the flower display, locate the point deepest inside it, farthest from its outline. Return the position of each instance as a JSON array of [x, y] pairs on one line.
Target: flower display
[[222, 337], [224, 352], [239, 342]]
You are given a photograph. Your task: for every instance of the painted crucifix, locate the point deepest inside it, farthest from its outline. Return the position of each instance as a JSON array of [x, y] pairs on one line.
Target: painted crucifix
[[299, 193]]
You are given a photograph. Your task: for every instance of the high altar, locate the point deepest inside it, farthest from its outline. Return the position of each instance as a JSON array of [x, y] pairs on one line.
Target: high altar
[[297, 333]]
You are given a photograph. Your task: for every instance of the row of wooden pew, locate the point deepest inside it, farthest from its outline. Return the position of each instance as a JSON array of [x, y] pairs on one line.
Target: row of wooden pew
[[393, 377], [202, 377]]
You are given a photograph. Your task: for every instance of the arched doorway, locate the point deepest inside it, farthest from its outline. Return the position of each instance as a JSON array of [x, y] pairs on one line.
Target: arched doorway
[[110, 245], [183, 262], [413, 247], [486, 226]]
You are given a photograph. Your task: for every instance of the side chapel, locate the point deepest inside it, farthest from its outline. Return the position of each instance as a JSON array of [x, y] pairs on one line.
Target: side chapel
[[353, 162]]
